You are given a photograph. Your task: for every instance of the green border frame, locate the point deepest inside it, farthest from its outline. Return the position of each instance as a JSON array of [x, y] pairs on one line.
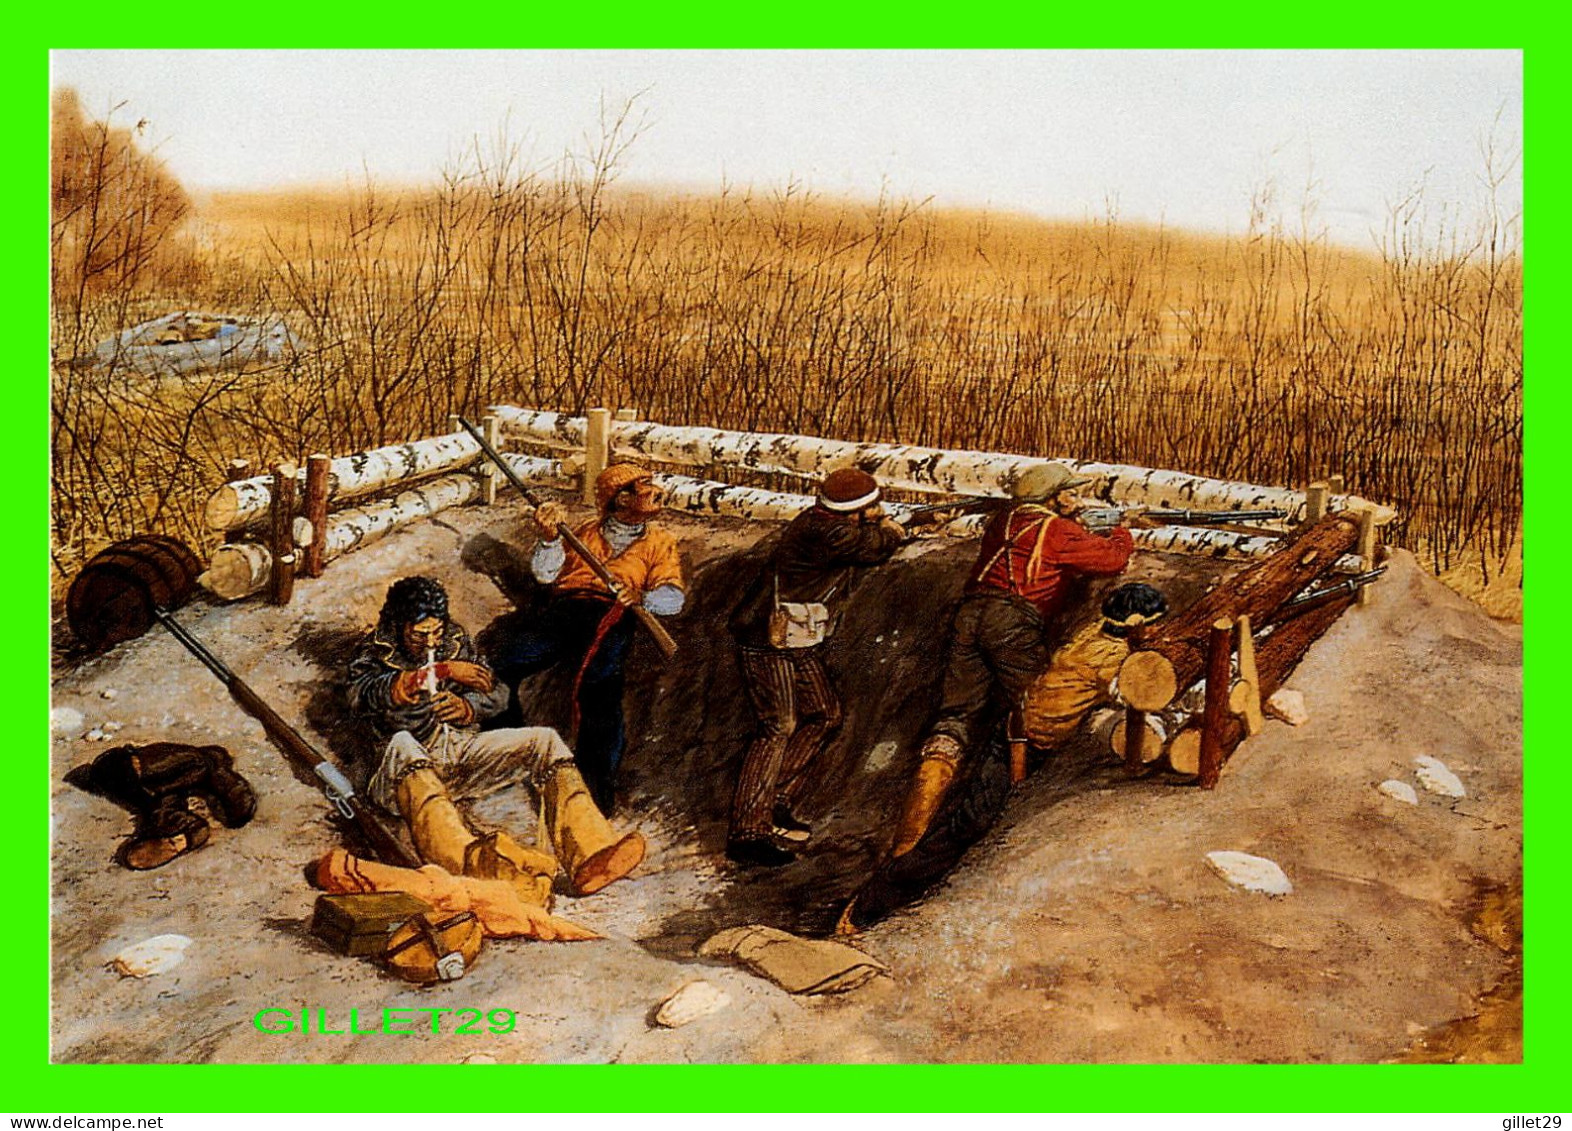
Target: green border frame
[[35, 1086]]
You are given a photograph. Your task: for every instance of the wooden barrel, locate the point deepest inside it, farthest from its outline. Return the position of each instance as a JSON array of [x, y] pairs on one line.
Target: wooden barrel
[[112, 599]]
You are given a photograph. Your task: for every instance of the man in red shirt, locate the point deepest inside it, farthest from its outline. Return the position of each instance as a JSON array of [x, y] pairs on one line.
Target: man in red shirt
[[1030, 555]]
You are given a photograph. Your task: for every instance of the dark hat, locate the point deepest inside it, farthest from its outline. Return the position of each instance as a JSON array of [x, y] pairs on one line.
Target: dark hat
[[848, 489]]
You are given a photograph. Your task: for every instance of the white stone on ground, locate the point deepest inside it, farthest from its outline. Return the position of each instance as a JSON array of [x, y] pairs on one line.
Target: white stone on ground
[[108, 693], [151, 956], [1288, 706], [1253, 873], [691, 1002], [1434, 776], [1399, 791], [65, 720]]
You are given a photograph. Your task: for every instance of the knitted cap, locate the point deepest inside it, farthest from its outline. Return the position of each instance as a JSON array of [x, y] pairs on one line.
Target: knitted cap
[[614, 479], [1043, 481], [848, 490]]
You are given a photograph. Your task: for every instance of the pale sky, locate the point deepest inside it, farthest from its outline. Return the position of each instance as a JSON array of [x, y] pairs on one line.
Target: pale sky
[[1178, 137]]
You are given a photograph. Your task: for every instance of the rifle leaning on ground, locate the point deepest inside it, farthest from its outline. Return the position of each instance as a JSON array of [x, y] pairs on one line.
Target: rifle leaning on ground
[[383, 843], [663, 640]]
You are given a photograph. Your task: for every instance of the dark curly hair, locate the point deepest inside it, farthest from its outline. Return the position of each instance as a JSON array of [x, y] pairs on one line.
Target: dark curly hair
[[1128, 600], [411, 600]]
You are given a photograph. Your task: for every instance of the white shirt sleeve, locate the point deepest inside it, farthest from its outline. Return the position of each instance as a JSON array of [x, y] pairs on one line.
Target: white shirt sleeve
[[547, 561]]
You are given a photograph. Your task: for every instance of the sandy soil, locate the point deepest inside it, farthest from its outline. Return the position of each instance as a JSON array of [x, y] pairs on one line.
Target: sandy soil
[[1087, 928]]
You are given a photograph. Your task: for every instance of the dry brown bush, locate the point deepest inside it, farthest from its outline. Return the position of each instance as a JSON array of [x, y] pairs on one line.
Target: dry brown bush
[[1275, 357]]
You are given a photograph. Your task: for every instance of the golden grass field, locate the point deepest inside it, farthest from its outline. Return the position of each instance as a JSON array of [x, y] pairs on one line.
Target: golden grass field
[[1273, 357]]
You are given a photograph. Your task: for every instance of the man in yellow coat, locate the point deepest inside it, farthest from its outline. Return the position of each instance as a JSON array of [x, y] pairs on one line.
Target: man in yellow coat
[[583, 624]]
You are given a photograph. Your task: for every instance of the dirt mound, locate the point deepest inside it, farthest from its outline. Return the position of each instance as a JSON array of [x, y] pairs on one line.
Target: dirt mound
[[1086, 927]]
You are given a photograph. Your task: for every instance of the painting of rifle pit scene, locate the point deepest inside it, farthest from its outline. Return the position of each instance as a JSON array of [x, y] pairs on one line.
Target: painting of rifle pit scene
[[750, 557]]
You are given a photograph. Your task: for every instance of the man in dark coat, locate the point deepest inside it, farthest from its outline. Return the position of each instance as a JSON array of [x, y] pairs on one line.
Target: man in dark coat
[[418, 683], [782, 626]]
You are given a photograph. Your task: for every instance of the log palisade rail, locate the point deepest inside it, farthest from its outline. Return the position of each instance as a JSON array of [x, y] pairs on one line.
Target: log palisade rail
[[307, 517]]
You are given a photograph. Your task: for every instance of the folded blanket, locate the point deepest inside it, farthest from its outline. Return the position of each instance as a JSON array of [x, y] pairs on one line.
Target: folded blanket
[[799, 966], [496, 903]]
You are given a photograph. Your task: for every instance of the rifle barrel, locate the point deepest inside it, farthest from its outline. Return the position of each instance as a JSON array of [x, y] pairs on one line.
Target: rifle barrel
[[295, 747]]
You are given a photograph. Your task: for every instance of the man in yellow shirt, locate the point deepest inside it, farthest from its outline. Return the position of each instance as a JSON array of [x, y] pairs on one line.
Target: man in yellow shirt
[[583, 625]]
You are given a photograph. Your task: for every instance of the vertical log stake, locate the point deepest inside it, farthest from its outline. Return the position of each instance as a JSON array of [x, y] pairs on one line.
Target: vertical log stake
[[1134, 718], [282, 586], [1315, 501], [1366, 549], [491, 428], [316, 510], [597, 449], [238, 469], [1219, 654], [627, 415]]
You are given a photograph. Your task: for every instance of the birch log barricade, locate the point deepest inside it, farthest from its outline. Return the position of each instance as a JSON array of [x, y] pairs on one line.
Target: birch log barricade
[[242, 568], [246, 503], [1277, 653], [709, 499], [903, 466], [1174, 651]]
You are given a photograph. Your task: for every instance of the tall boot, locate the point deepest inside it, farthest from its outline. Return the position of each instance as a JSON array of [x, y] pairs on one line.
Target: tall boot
[[592, 853], [441, 835], [497, 856], [934, 774]]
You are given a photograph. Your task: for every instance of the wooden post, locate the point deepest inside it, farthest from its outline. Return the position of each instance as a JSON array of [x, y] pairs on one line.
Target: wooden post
[[316, 510], [1219, 655], [1336, 484], [1246, 702], [282, 586], [454, 425], [238, 469], [1134, 718], [1315, 502], [491, 428], [597, 449], [1015, 735], [627, 415], [1366, 549]]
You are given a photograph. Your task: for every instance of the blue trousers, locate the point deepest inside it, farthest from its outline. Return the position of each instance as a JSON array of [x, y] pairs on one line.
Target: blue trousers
[[560, 637]]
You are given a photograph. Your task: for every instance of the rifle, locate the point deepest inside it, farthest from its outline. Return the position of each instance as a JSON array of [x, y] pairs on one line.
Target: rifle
[[930, 513], [297, 750], [667, 645], [1351, 584], [1104, 517]]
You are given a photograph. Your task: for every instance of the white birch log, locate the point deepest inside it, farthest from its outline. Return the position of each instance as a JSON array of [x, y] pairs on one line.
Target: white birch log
[[910, 468], [235, 506], [239, 569], [706, 498]]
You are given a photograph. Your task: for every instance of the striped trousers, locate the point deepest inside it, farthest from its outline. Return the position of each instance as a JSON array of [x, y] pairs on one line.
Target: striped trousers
[[797, 708]]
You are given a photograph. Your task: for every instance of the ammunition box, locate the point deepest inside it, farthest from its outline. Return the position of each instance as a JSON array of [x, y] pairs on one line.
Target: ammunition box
[[360, 923]]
